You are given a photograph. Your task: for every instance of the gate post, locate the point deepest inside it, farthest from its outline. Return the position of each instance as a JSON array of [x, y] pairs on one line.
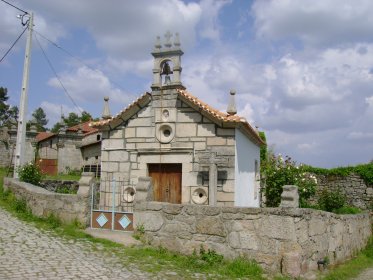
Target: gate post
[[113, 185]]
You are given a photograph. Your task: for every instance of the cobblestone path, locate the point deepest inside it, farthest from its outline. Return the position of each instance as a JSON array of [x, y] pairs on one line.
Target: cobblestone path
[[29, 253], [365, 275]]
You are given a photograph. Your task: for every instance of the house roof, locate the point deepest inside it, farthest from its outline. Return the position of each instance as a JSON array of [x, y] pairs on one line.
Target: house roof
[[43, 136], [220, 118], [125, 114], [85, 128]]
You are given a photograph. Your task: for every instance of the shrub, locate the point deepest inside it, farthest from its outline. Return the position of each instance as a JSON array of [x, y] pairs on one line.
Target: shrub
[[30, 173], [277, 172], [331, 200]]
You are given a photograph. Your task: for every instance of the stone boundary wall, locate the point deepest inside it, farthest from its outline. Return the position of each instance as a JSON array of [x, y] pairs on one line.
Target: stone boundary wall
[[285, 240], [55, 185], [357, 192], [67, 207]]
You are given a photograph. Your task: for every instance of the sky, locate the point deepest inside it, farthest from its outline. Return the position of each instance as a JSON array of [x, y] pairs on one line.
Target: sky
[[302, 70]]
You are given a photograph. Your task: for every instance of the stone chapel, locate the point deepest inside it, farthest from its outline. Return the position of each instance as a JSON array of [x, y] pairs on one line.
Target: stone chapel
[[193, 153]]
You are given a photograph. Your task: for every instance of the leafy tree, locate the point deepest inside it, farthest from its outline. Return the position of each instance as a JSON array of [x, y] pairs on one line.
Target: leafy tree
[[71, 120], [39, 119], [85, 117], [263, 149], [7, 113], [57, 126]]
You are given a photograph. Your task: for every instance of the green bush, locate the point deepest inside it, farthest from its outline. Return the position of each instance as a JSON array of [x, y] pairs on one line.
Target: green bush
[[364, 170], [30, 173], [277, 172], [331, 200], [347, 210]]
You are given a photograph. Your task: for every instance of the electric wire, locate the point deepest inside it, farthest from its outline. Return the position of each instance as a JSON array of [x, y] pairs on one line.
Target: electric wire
[[74, 57], [11, 47], [19, 9], [55, 73]]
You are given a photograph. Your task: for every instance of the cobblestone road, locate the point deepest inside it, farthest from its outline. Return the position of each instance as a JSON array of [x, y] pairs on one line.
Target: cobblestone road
[[28, 253]]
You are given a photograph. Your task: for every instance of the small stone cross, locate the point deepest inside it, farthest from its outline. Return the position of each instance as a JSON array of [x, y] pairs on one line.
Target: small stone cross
[[168, 36]]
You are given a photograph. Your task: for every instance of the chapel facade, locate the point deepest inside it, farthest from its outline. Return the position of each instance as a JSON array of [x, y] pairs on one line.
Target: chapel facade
[[192, 152]]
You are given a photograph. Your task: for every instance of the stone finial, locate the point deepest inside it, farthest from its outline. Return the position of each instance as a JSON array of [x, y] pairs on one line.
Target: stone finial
[[168, 36], [290, 197], [177, 40], [158, 44], [106, 111], [231, 110]]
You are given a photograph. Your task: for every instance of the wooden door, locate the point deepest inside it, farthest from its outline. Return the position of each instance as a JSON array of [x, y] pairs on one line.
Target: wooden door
[[166, 182]]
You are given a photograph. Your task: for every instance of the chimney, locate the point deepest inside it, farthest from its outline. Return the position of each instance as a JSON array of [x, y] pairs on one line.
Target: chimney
[[106, 112], [231, 110]]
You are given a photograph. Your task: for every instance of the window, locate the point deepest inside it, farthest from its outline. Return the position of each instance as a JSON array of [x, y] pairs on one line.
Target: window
[[256, 179], [98, 137]]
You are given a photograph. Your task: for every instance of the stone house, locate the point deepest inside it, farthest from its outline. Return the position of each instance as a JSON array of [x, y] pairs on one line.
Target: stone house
[[71, 148], [8, 139], [193, 152]]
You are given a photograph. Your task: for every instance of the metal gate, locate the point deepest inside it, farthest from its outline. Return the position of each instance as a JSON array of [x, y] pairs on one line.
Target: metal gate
[[112, 205]]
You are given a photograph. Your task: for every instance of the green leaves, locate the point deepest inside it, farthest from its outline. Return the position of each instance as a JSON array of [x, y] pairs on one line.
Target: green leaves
[[30, 173], [278, 171]]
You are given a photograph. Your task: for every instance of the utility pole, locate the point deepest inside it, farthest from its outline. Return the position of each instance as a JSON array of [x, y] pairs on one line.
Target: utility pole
[[21, 130]]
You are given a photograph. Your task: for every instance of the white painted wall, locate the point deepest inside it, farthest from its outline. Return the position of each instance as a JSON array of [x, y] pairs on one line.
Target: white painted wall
[[246, 187]]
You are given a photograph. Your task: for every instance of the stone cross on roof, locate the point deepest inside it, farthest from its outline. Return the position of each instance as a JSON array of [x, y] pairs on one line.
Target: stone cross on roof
[[168, 36]]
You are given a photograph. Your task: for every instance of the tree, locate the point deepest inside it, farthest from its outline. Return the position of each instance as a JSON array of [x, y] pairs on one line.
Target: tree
[[8, 114], [71, 120], [85, 117], [39, 119]]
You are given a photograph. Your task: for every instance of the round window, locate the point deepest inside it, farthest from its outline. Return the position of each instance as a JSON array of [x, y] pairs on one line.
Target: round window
[[165, 133]]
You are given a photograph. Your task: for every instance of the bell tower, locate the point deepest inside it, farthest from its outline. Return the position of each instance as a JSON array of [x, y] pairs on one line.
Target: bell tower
[[167, 63]]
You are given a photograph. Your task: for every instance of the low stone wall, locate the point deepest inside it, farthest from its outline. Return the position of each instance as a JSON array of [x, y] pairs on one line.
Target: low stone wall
[[284, 240], [67, 207], [59, 185], [357, 192]]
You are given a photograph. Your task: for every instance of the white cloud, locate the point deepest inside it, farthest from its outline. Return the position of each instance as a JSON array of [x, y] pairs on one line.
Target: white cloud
[[126, 29], [316, 23], [53, 111], [90, 86]]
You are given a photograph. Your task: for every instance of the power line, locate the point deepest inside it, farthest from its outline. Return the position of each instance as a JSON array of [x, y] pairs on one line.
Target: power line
[[76, 58], [19, 9], [55, 73], [15, 42]]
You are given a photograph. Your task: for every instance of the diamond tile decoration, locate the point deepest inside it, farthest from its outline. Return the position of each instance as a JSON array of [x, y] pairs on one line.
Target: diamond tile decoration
[[124, 221], [102, 220]]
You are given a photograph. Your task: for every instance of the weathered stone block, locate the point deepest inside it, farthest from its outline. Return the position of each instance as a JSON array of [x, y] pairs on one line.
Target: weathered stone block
[[113, 144], [210, 225], [223, 196], [116, 134], [291, 264], [289, 197], [206, 130], [186, 130], [216, 141], [146, 132], [189, 117], [118, 156], [152, 221]]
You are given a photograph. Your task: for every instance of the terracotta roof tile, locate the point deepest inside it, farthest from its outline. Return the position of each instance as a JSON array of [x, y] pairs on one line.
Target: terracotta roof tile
[[139, 100], [43, 135], [85, 128], [224, 118]]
